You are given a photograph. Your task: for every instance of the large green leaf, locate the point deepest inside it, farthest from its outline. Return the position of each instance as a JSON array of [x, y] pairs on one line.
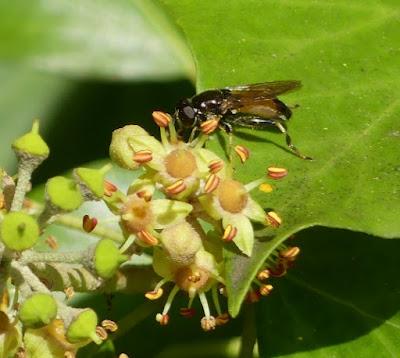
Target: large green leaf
[[341, 300], [346, 54], [108, 39]]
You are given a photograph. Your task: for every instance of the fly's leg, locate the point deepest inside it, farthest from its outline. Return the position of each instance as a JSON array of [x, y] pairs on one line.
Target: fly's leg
[[228, 129], [192, 134], [289, 141]]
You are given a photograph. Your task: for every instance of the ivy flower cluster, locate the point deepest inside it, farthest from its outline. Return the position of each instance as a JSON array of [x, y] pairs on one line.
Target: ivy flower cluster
[[204, 209], [184, 208]]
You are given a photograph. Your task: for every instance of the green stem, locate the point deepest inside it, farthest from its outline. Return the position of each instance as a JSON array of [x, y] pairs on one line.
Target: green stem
[[100, 231], [31, 256], [24, 177], [249, 334]]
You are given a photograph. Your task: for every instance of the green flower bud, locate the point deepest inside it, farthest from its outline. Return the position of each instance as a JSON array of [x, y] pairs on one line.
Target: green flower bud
[[121, 152], [31, 145], [181, 242], [107, 258], [63, 194], [38, 310], [19, 231], [83, 328], [91, 181]]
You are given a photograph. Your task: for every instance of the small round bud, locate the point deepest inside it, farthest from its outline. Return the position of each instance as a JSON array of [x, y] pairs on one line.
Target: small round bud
[[31, 144], [107, 258], [19, 231], [91, 181], [121, 152], [38, 310], [83, 328], [181, 242], [63, 193]]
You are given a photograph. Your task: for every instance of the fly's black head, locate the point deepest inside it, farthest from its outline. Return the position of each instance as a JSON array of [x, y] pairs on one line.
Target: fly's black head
[[185, 113]]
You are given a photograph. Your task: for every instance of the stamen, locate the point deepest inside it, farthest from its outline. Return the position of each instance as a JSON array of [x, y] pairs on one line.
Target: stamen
[[242, 152], [109, 188], [69, 292], [209, 126], [265, 290], [212, 183], [208, 323], [253, 184], [147, 238], [162, 119], [143, 156], [164, 138], [187, 312], [253, 296], [273, 219], [162, 319], [88, 223], [109, 325], [229, 233], [263, 275], [176, 188], [101, 333], [51, 241], [154, 295], [215, 166], [222, 319], [290, 253], [276, 173]]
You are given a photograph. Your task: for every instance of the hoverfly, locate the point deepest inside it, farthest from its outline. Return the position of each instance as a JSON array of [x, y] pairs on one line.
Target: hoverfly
[[253, 106]]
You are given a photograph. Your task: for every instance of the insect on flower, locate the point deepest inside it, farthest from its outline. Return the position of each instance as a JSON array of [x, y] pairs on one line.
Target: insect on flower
[[253, 106]]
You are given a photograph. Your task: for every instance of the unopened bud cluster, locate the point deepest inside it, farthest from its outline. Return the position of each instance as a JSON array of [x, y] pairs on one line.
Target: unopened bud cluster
[[29, 309]]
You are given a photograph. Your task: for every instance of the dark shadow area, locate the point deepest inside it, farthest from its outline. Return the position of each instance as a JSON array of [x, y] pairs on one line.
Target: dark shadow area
[[82, 125], [343, 285]]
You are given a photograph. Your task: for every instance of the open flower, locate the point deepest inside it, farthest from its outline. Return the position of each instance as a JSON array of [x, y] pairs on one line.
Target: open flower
[[141, 217], [182, 259], [176, 165], [232, 203]]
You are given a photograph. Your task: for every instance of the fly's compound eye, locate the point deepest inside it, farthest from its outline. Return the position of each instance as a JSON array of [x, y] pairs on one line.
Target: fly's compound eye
[[186, 114]]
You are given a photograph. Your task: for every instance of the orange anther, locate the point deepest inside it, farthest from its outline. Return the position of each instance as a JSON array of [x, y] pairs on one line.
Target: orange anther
[[209, 126], [143, 156], [215, 166], [273, 219], [109, 188], [176, 188], [242, 152], [101, 333], [290, 253], [88, 223], [212, 183], [187, 312], [229, 233], [109, 325], [162, 319], [51, 242], [265, 290], [155, 294], [263, 275], [276, 173], [162, 119], [222, 319], [147, 238]]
